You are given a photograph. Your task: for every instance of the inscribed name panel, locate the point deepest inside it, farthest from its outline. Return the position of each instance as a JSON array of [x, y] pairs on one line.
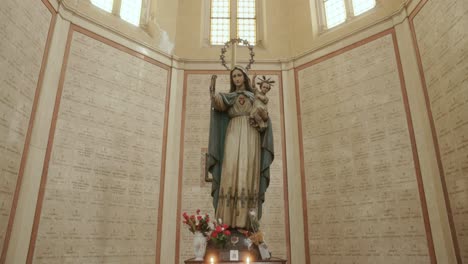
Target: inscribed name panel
[[442, 39], [24, 27], [101, 201], [361, 194]]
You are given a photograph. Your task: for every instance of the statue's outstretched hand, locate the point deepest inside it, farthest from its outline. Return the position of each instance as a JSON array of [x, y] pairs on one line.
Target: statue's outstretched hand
[[213, 85]]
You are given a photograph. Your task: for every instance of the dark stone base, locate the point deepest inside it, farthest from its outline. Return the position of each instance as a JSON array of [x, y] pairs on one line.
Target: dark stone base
[[222, 252]]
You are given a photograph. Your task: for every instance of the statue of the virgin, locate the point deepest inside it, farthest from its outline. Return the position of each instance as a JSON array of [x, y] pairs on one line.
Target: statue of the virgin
[[239, 155]]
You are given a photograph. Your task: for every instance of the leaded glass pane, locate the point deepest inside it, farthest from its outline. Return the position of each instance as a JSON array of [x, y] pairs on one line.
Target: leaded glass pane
[[335, 12], [245, 8], [219, 31], [246, 22], [246, 29], [361, 6], [105, 5], [220, 9], [130, 11], [220, 19]]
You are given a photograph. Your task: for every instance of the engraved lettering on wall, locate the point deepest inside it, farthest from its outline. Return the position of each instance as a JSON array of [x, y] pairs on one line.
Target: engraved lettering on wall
[[362, 196], [102, 193], [24, 27], [442, 39]]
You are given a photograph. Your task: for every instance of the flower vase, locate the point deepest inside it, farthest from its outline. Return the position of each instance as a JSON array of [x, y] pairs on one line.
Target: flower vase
[[199, 245]]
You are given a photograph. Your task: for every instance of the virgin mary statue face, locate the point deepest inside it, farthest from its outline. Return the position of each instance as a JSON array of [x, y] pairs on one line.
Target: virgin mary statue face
[[238, 79]]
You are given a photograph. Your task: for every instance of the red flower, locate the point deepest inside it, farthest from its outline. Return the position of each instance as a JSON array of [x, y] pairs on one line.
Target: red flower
[[220, 234], [197, 222]]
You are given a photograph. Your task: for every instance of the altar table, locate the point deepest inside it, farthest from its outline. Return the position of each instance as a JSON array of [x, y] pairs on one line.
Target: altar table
[[267, 261]]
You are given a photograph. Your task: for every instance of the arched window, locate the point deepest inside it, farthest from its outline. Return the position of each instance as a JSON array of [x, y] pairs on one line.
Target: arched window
[[128, 10], [233, 19], [336, 12]]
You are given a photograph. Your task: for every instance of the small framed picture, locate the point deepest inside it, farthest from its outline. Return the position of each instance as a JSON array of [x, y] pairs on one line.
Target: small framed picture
[[264, 252], [234, 255]]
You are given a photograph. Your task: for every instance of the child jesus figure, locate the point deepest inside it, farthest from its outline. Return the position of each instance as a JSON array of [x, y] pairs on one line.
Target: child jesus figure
[[259, 114]]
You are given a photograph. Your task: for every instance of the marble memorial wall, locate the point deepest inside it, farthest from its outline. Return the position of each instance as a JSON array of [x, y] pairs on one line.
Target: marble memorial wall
[[361, 191], [441, 34], [24, 27], [102, 193], [196, 192]]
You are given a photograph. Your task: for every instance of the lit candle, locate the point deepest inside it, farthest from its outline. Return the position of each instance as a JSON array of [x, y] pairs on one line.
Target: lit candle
[[248, 260], [211, 260]]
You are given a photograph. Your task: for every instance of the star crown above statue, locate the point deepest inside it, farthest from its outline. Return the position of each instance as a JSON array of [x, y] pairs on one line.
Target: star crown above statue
[[232, 42]]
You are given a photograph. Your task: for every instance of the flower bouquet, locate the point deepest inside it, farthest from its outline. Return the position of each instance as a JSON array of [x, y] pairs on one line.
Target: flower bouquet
[[197, 223], [220, 234], [256, 236]]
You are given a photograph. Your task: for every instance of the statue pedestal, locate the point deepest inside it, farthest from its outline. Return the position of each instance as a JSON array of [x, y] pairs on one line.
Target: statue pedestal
[[232, 255], [238, 247], [207, 261]]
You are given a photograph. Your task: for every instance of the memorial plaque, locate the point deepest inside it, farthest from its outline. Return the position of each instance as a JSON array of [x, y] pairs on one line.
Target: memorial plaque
[[24, 27], [441, 34], [361, 188], [102, 194]]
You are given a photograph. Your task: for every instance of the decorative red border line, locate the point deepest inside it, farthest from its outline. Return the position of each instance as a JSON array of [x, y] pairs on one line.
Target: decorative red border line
[[29, 132], [422, 196], [181, 154], [433, 130], [40, 199]]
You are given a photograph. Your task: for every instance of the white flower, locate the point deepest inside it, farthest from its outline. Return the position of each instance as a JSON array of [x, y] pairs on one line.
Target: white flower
[[249, 243], [252, 212]]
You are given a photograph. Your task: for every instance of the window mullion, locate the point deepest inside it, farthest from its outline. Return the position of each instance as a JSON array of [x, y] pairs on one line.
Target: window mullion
[[322, 20], [116, 7], [349, 9], [145, 10], [233, 20]]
